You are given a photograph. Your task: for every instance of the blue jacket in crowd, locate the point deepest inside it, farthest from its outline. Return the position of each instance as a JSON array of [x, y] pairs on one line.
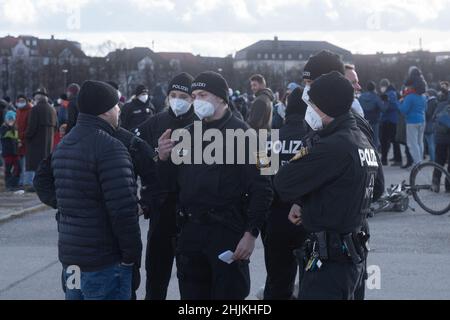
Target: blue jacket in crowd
[[392, 107], [414, 107], [372, 106]]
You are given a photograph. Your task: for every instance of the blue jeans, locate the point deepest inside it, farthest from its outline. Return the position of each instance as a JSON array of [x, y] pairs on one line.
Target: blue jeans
[[112, 283], [26, 177], [429, 138], [414, 137]]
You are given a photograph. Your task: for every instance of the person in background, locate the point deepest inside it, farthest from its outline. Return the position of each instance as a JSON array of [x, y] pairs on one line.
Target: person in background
[[62, 109], [72, 109], [352, 76], [59, 135], [10, 144], [264, 97], [389, 121], [23, 111], [138, 110], [442, 136], [39, 134], [432, 103], [413, 108], [373, 107]]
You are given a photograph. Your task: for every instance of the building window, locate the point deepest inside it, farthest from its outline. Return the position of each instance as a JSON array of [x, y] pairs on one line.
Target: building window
[[27, 42], [266, 56], [280, 56], [34, 43], [274, 56], [259, 55], [300, 56]]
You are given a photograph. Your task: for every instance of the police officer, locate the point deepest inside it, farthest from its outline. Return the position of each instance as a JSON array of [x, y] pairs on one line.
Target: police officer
[[322, 63], [160, 251], [138, 110], [223, 205], [281, 237], [333, 181]]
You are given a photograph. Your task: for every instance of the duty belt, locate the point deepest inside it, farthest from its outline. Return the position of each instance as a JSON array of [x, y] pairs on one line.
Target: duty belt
[[225, 217], [328, 246]]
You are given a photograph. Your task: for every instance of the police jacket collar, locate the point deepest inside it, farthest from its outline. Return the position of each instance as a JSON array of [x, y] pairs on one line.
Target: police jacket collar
[[88, 120], [220, 123], [345, 121]]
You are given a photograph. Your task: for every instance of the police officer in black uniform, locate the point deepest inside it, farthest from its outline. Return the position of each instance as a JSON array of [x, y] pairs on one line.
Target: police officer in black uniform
[[138, 110], [161, 237], [333, 181], [223, 205], [322, 63], [281, 237]]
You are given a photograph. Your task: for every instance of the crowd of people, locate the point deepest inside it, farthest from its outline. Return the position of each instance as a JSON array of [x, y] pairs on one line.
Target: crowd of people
[[87, 152]]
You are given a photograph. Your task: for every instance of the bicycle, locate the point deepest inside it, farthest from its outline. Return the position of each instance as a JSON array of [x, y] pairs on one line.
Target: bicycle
[[429, 185]]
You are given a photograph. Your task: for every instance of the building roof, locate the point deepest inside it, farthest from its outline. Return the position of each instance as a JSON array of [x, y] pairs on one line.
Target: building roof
[[45, 47], [306, 48], [134, 55], [181, 56]]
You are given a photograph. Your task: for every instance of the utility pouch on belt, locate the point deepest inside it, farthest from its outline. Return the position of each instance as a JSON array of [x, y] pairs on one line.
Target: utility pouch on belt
[[322, 240], [349, 244]]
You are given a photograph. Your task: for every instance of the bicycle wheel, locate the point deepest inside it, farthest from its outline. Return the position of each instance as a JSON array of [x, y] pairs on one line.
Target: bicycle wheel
[[430, 184]]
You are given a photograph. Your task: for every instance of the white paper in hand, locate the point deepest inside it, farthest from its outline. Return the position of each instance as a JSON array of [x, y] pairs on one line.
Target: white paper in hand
[[227, 257]]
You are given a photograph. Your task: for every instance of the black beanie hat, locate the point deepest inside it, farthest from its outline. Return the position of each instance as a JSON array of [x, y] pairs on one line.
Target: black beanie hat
[[140, 90], [333, 94], [97, 97], [113, 84], [295, 103], [322, 63], [212, 82], [181, 82]]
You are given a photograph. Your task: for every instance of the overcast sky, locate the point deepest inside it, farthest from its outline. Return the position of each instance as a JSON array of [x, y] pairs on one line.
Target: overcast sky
[[221, 27]]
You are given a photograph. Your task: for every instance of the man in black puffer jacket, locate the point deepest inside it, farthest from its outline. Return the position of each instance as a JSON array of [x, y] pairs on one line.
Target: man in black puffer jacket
[[99, 236]]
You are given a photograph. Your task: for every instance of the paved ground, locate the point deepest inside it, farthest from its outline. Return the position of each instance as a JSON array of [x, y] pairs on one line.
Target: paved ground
[[412, 251]]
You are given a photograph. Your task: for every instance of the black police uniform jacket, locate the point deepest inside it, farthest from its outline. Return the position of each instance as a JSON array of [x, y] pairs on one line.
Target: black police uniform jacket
[[150, 131], [333, 179], [225, 188], [96, 196], [135, 113]]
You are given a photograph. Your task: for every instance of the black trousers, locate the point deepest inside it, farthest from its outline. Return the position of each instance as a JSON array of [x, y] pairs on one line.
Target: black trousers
[[280, 239], [360, 292], [201, 274], [442, 157], [160, 251], [388, 133], [334, 281]]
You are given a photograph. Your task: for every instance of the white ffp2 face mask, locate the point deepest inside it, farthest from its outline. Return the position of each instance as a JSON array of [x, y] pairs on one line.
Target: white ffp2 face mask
[[179, 106], [143, 98], [313, 119], [305, 96], [203, 109]]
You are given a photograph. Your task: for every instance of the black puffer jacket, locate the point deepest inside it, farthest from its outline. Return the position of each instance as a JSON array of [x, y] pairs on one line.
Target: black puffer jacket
[[96, 194]]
